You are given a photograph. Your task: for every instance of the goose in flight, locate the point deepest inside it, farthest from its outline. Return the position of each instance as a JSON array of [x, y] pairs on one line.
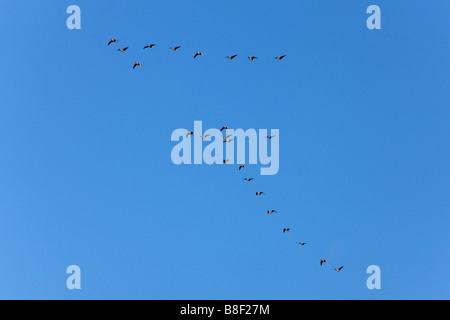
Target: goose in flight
[[302, 243], [339, 269], [322, 261], [260, 193], [226, 138], [137, 64], [253, 58], [271, 211], [224, 128], [286, 230], [123, 50], [280, 58], [249, 179], [190, 133], [112, 41], [232, 57], [270, 137], [242, 166], [176, 48], [149, 46], [226, 161], [198, 54], [205, 136]]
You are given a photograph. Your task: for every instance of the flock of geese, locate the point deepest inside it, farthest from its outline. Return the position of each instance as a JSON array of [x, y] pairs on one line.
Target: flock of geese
[[197, 54], [271, 212], [225, 138]]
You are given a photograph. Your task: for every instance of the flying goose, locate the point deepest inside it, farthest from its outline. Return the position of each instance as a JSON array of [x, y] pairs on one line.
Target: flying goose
[[232, 57], [198, 54], [253, 58], [112, 41], [149, 46], [176, 48], [123, 50], [226, 138], [339, 270], [280, 58], [137, 64]]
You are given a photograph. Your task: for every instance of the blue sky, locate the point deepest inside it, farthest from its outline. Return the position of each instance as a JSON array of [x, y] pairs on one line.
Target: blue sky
[[86, 176]]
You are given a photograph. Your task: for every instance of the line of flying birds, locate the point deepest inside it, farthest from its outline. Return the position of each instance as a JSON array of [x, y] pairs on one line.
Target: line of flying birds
[[270, 212], [198, 53], [260, 193]]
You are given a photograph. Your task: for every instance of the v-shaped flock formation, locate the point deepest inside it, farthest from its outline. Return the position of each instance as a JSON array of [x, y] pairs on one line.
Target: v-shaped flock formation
[[226, 138]]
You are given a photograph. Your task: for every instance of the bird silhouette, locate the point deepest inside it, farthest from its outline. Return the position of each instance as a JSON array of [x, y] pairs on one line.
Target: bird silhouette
[[242, 166], [302, 243], [249, 179], [225, 139], [280, 58], [286, 230], [224, 128], [232, 57], [189, 133], [136, 64], [112, 41], [198, 54], [339, 269], [323, 261], [176, 48], [123, 50], [149, 46], [260, 193], [271, 211], [253, 58]]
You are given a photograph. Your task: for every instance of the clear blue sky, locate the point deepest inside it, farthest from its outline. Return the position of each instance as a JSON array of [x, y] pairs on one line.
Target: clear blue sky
[[86, 176]]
